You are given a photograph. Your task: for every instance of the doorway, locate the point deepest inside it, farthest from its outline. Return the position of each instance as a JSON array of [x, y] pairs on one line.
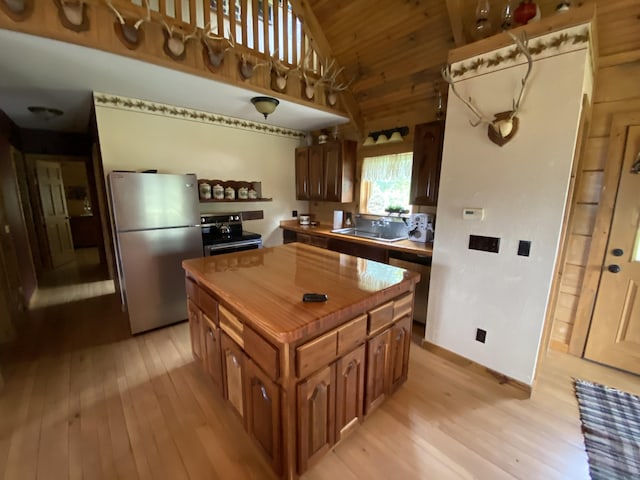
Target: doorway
[[614, 332]]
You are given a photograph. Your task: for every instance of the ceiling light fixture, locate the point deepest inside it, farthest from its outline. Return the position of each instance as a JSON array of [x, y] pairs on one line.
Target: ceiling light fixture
[[265, 105], [45, 112]]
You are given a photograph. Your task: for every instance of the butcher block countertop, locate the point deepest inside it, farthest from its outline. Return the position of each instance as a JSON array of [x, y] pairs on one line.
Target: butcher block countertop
[[325, 230], [266, 286]]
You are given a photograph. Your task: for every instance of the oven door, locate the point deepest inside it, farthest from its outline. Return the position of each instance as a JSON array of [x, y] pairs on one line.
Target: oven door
[[230, 247]]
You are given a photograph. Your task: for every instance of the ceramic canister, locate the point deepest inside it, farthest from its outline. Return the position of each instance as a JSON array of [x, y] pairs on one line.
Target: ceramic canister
[[229, 193], [218, 192]]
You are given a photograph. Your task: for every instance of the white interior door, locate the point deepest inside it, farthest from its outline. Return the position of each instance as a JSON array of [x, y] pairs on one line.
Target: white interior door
[[54, 208]]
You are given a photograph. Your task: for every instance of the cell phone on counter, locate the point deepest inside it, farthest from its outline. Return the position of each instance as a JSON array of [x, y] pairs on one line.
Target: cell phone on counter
[[314, 297]]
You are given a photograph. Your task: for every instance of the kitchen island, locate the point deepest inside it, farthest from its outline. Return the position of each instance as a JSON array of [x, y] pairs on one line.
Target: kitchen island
[[300, 376]]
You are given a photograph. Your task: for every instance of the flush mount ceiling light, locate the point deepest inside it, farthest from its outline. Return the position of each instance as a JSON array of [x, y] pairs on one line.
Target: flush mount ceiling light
[[265, 105], [45, 112]]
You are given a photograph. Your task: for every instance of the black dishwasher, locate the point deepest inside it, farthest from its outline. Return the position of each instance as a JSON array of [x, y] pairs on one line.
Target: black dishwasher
[[416, 263]]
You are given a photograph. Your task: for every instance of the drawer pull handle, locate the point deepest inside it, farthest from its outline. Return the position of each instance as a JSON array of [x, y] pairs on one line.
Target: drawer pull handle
[[350, 367], [264, 393], [235, 361]]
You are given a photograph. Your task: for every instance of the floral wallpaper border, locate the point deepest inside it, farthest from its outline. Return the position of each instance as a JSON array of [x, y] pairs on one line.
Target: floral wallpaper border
[[536, 48], [115, 101]]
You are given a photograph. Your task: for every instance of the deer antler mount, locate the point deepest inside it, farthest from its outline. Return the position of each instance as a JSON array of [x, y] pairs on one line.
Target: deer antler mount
[[503, 127], [215, 49], [128, 30]]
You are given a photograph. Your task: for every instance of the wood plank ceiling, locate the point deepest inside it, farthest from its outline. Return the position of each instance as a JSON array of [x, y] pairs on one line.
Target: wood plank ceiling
[[395, 50]]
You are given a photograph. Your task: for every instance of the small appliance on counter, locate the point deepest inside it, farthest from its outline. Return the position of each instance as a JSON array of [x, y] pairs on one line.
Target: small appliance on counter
[[421, 227], [304, 219]]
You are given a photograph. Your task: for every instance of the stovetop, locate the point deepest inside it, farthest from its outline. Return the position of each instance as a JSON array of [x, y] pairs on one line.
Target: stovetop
[[224, 228]]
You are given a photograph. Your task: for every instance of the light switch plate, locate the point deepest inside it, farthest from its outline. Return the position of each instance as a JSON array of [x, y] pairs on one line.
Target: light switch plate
[[469, 213]]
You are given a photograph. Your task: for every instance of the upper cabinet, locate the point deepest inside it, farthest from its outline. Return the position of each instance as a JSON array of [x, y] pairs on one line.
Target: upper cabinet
[[427, 157], [326, 171]]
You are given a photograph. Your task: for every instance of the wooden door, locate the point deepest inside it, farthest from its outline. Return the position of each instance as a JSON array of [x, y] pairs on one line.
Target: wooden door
[[233, 374], [349, 392], [332, 172], [614, 335], [195, 329], [263, 414], [54, 208], [427, 158], [316, 417], [302, 173], [212, 351], [316, 166], [399, 353], [377, 370]]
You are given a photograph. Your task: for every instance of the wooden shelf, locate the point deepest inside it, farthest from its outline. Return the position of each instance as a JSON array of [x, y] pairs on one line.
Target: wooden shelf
[[575, 16], [237, 200]]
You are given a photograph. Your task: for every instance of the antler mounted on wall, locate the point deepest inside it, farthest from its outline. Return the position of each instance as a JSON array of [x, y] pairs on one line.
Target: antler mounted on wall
[[215, 48], [73, 14], [503, 127], [127, 30], [279, 72], [175, 42], [330, 79], [17, 10]]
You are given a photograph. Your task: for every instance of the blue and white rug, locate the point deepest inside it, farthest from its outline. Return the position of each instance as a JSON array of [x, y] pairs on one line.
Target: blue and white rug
[[611, 426]]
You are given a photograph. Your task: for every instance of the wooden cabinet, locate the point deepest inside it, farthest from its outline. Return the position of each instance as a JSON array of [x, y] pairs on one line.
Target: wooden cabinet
[[316, 417], [233, 374], [427, 158], [326, 171], [212, 351], [349, 392], [399, 353], [377, 370], [263, 414], [378, 254], [195, 329]]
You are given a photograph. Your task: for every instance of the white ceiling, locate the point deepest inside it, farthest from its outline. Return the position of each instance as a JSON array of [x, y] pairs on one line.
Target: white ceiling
[[39, 71]]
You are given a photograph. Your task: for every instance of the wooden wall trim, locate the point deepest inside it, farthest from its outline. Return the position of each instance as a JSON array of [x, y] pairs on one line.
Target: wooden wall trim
[[597, 250], [454, 9], [477, 368]]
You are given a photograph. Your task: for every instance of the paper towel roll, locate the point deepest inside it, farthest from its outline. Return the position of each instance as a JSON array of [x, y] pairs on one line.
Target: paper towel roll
[[337, 218]]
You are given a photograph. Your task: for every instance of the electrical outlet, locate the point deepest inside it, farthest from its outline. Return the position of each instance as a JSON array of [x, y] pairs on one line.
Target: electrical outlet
[[481, 335], [294, 213]]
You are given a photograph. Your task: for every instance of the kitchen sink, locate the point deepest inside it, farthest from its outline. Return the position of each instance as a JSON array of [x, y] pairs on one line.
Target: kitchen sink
[[356, 232]]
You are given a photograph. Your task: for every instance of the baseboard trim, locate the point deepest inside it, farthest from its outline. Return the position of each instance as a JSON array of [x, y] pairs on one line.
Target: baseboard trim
[[476, 367]]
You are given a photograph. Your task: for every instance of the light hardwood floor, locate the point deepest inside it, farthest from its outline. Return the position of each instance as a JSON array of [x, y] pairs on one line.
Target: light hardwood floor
[[84, 399]]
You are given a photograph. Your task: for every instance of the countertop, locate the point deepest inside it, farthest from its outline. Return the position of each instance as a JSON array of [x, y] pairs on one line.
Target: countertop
[[325, 230], [266, 287]]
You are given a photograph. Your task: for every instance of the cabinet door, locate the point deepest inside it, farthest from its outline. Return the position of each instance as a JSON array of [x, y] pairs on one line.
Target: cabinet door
[[427, 157], [195, 329], [233, 374], [263, 414], [315, 172], [316, 417], [399, 355], [377, 370], [212, 352], [302, 173], [349, 392], [332, 172]]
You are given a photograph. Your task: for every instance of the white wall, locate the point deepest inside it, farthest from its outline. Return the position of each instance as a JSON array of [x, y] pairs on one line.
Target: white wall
[[134, 140], [523, 187]]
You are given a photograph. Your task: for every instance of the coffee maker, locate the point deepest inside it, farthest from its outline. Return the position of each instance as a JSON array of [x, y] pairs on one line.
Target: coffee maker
[[421, 227]]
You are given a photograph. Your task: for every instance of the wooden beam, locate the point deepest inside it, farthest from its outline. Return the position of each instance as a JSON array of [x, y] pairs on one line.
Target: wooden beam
[[314, 31], [454, 7]]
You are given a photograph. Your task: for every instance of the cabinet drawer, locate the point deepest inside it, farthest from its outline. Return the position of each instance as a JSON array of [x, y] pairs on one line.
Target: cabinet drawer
[[402, 306], [316, 353], [318, 241], [380, 317], [352, 334], [263, 353], [208, 305], [192, 290], [231, 325]]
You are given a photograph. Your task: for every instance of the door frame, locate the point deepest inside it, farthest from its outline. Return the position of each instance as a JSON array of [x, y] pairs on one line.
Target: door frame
[[600, 238]]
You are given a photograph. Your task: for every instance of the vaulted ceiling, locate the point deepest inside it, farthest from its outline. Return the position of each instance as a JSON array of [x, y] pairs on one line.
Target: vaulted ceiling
[[394, 51]]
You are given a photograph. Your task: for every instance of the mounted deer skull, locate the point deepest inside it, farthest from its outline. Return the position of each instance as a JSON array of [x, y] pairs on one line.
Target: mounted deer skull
[[280, 72], [504, 125], [329, 78], [248, 67], [310, 83], [73, 14], [175, 42], [128, 31], [215, 49]]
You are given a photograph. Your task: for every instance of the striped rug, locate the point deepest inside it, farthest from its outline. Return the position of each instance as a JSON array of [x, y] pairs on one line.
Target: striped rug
[[611, 426]]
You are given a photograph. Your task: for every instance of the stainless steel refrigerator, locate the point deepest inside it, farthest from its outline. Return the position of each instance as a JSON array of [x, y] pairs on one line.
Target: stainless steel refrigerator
[[156, 223]]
